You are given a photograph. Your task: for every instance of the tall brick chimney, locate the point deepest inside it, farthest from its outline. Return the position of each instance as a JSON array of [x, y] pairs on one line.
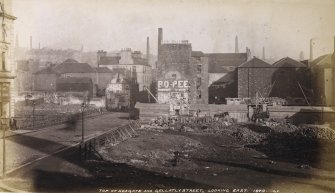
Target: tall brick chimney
[[160, 38], [236, 44], [311, 50], [31, 42], [148, 49], [263, 54]]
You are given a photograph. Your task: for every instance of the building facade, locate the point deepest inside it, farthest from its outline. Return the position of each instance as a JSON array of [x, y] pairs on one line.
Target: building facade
[[286, 79], [7, 67], [128, 60], [182, 80], [254, 76]]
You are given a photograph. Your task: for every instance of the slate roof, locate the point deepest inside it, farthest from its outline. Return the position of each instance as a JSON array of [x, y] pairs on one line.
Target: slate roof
[[288, 63], [217, 61], [255, 63], [72, 66], [114, 60], [227, 78], [70, 60], [74, 80], [46, 70], [103, 70], [140, 61], [197, 54], [322, 61]]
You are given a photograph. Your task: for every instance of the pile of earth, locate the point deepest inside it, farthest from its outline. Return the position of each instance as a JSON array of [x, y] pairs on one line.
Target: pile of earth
[[255, 133], [152, 149]]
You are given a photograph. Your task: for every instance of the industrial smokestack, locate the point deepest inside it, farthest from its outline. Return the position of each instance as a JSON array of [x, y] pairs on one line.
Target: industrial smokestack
[[160, 38], [148, 52], [236, 44], [31, 42], [311, 43], [263, 54]]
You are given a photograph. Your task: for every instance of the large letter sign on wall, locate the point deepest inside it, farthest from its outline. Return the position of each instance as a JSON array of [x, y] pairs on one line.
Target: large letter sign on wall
[[176, 85]]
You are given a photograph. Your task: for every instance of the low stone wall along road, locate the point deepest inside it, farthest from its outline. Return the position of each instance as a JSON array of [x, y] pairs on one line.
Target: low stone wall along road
[[25, 148]]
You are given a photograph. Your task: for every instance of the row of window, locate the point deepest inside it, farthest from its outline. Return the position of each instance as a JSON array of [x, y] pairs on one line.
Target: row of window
[[4, 100]]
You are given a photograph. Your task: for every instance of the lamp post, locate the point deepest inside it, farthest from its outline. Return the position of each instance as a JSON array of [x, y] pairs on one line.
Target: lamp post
[[3, 151], [83, 106], [34, 103]]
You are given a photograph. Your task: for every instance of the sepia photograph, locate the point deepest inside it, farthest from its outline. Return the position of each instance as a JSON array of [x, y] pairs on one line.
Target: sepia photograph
[[167, 96]]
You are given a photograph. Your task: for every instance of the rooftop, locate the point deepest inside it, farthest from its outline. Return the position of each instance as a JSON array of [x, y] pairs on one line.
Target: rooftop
[[217, 61], [288, 63], [255, 63], [47, 70], [72, 66], [74, 80]]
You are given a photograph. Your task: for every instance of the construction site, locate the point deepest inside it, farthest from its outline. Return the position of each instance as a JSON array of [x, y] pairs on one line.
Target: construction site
[[192, 117], [269, 135]]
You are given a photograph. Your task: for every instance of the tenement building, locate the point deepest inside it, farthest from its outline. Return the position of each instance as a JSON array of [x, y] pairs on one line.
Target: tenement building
[[7, 69], [128, 60]]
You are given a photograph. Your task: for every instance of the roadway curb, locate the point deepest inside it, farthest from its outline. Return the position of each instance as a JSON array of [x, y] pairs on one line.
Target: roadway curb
[[61, 125], [10, 189], [3, 186]]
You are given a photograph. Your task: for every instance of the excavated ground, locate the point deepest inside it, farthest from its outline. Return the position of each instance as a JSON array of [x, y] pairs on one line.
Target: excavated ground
[[252, 157]]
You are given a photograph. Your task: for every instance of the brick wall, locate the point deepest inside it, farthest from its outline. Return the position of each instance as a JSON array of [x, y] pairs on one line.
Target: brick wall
[[175, 59], [252, 80], [284, 80]]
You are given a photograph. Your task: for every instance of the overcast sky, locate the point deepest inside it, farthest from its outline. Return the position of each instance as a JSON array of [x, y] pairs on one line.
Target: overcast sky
[[284, 28]]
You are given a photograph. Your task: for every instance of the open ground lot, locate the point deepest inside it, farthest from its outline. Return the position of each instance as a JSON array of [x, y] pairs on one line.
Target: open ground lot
[[235, 158]]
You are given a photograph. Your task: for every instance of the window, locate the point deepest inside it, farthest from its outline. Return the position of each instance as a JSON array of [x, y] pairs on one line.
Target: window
[[4, 100], [174, 75], [134, 68], [3, 61], [199, 94], [198, 82], [199, 68]]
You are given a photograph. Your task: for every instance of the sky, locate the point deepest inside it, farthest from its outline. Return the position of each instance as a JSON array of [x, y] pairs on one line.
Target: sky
[[283, 27]]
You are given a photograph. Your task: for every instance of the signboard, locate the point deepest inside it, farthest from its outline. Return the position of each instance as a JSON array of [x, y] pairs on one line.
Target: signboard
[[175, 85]]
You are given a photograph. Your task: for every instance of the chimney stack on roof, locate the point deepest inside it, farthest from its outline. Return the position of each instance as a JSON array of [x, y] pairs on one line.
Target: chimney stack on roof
[[160, 38], [148, 51], [236, 44], [311, 49], [263, 54], [31, 42]]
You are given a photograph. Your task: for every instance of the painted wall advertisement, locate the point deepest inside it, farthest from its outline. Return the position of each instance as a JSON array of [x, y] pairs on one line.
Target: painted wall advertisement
[[175, 93]]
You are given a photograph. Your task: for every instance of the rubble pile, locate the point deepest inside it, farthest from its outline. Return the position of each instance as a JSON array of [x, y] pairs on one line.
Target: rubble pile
[[315, 132], [281, 127], [247, 132]]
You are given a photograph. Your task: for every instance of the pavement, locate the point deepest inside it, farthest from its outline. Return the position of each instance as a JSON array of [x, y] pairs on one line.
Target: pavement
[[27, 147]]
